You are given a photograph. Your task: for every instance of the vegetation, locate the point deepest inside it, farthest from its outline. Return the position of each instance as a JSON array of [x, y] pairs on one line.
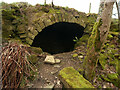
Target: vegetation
[[21, 22], [97, 38], [16, 65]]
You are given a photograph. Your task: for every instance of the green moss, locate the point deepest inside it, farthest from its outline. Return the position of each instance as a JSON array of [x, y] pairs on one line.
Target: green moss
[[113, 76], [117, 55], [75, 55], [45, 9], [84, 38], [112, 46], [72, 79], [107, 44], [33, 75], [99, 79], [33, 58], [102, 51], [109, 36], [23, 82], [105, 78], [29, 41], [36, 50], [103, 60], [94, 40], [82, 41], [114, 33]]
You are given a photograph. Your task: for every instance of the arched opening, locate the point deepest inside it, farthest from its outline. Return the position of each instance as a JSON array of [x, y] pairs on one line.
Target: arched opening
[[59, 37]]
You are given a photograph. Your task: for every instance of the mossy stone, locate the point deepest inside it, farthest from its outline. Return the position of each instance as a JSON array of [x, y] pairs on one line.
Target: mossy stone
[[75, 55], [117, 55], [36, 50], [33, 58], [72, 79], [29, 41]]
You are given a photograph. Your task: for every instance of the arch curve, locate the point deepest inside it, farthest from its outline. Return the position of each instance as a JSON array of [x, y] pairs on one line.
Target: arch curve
[[42, 20], [58, 37]]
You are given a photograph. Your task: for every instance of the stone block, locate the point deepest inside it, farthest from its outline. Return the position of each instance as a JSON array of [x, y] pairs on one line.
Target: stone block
[[73, 79]]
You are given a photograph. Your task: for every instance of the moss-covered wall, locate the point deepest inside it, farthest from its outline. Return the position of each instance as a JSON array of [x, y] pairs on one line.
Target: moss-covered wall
[[23, 21]]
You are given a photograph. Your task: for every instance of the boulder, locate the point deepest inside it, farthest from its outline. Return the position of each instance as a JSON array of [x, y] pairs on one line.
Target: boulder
[[72, 79], [49, 59], [57, 61]]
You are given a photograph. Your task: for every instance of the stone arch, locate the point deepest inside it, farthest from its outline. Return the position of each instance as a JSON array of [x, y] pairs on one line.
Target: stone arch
[[47, 19], [59, 37]]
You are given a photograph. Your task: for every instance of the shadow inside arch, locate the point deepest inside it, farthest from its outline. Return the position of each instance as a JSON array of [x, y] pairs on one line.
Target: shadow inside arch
[[58, 37]]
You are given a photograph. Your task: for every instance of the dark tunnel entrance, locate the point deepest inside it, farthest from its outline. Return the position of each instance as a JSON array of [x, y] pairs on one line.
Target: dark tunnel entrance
[[58, 38]]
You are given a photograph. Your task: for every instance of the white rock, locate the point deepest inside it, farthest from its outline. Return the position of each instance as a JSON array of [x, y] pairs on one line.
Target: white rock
[[80, 57], [57, 61], [49, 59], [58, 82], [29, 85], [104, 86]]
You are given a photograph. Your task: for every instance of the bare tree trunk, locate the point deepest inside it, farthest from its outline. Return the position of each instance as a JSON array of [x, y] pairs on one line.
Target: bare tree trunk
[[118, 9], [52, 4], [45, 2], [97, 38], [89, 7]]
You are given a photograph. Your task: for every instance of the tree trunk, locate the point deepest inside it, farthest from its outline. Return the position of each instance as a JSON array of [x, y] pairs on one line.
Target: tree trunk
[[45, 2], [89, 7], [97, 38], [118, 9], [52, 4]]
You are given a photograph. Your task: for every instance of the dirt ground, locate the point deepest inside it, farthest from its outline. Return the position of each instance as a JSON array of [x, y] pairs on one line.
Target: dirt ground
[[48, 74]]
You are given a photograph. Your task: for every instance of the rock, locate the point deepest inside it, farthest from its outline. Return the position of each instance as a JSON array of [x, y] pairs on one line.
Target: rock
[[57, 66], [29, 85], [80, 57], [72, 79], [36, 50], [75, 55], [49, 86], [49, 59], [33, 58], [47, 81], [58, 82], [53, 72], [57, 61], [104, 86]]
